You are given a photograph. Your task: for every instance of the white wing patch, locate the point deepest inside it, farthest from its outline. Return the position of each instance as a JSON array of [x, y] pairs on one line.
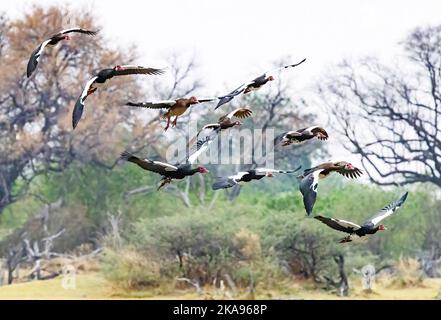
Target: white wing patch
[[207, 126], [386, 214], [131, 66], [69, 30], [42, 46], [388, 210], [238, 175], [316, 178], [231, 114], [383, 216], [311, 128], [273, 71], [290, 133], [86, 88], [346, 224], [169, 102], [265, 170], [167, 166], [192, 158]]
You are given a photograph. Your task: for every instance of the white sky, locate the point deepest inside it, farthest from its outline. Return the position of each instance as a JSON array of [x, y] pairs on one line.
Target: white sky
[[236, 40]]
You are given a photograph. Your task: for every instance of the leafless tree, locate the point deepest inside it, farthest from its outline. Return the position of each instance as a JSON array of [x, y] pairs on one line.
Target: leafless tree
[[35, 114], [390, 115], [35, 245]]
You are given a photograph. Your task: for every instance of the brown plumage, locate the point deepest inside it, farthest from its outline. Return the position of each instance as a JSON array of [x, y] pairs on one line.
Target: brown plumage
[[301, 135], [175, 108], [342, 167]]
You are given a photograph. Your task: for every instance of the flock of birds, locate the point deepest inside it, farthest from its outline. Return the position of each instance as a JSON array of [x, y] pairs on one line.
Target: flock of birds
[[308, 181]]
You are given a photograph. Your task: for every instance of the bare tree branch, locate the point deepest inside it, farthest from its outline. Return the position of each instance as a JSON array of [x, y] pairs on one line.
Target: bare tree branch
[[391, 118]]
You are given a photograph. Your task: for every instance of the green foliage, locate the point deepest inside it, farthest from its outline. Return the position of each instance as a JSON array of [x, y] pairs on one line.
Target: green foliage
[[129, 269], [261, 237]]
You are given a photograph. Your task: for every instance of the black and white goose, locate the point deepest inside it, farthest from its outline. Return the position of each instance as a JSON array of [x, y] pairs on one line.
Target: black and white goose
[[301, 135], [170, 171], [368, 228], [254, 84], [52, 41], [224, 122], [99, 80], [247, 176], [308, 184]]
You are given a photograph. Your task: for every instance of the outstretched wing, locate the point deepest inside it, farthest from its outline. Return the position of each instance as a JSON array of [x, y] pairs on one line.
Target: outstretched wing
[[164, 104], [201, 100], [292, 137], [154, 166], [200, 150], [79, 30], [264, 170], [352, 173], [283, 138], [273, 71], [79, 105], [223, 183], [35, 58], [240, 113], [308, 187], [387, 210], [228, 182], [210, 127], [206, 132], [130, 69], [337, 224], [227, 98]]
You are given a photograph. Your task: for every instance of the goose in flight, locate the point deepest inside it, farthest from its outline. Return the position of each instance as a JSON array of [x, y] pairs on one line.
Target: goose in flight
[[368, 228], [52, 41]]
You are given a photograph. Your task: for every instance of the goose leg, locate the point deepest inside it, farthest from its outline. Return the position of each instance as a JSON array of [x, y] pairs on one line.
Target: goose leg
[[90, 91], [164, 182], [168, 124], [174, 122], [346, 239]]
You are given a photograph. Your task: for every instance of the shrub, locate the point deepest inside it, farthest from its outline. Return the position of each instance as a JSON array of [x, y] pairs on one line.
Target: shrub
[[198, 246], [248, 244], [408, 274], [129, 269]]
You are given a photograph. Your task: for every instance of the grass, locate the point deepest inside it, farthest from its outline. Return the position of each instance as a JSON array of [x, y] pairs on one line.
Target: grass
[[94, 286]]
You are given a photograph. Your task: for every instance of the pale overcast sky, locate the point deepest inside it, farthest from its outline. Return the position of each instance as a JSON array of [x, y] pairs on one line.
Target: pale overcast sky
[[237, 40]]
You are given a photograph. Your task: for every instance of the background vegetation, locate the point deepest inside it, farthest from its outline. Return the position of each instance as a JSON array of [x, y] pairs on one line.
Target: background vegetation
[[64, 196]]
